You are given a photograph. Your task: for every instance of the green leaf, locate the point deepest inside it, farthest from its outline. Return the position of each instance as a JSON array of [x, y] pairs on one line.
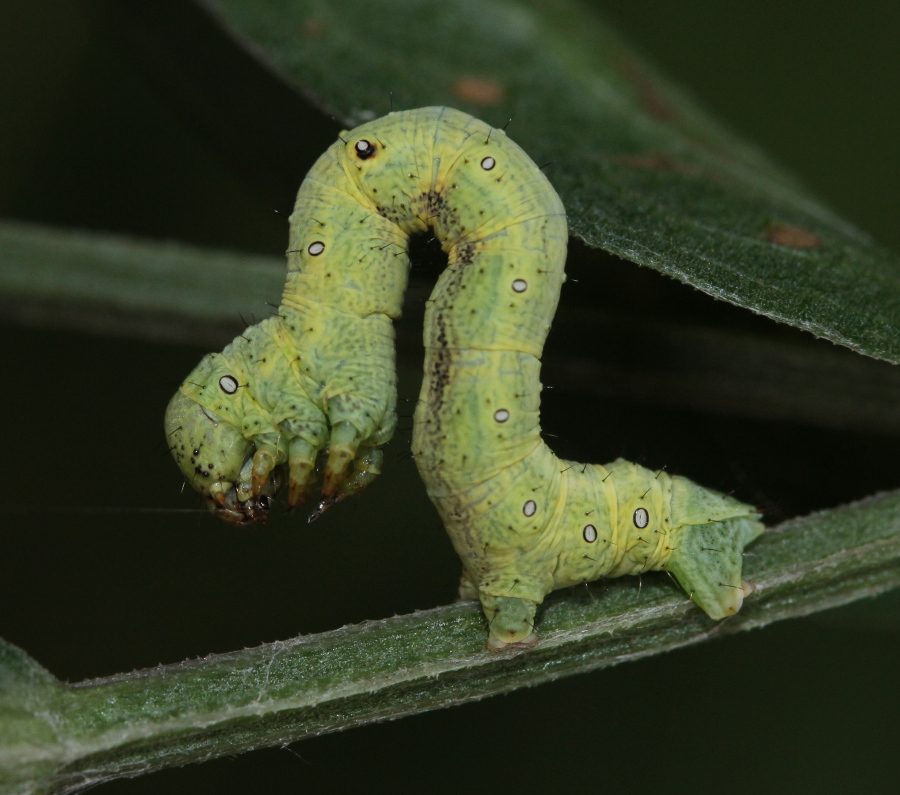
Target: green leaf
[[644, 173], [280, 692]]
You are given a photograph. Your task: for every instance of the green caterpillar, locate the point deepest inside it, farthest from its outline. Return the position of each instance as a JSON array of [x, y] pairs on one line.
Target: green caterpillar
[[319, 376]]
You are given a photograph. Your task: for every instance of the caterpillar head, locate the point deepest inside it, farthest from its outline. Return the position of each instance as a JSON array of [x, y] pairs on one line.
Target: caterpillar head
[[217, 461]]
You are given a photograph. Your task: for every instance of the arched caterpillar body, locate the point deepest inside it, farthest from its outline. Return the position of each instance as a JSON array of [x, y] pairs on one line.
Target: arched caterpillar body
[[523, 521]]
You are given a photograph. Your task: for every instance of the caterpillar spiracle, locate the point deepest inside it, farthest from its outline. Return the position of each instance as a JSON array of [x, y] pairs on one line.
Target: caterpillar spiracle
[[319, 378]]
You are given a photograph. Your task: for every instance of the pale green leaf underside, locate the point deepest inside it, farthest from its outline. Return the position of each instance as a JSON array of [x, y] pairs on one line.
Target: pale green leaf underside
[[281, 692], [643, 172]]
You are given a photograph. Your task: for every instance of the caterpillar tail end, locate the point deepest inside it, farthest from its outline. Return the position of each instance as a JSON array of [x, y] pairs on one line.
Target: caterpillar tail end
[[708, 543]]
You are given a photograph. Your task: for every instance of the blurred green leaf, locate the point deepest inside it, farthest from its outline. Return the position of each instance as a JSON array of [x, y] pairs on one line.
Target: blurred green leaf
[[113, 284], [176, 292], [644, 173]]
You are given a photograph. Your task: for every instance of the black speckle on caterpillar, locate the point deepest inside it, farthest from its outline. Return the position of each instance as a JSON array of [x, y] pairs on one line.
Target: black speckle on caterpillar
[[319, 378]]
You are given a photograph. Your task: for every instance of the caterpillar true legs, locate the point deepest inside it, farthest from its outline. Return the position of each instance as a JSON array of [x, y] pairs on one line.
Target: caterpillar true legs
[[271, 398], [523, 521]]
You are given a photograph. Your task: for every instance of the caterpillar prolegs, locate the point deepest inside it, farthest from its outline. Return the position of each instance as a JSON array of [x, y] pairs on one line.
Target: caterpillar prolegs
[[318, 379]]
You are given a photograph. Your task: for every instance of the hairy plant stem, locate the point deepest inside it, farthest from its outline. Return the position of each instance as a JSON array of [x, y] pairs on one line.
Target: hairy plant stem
[[59, 738]]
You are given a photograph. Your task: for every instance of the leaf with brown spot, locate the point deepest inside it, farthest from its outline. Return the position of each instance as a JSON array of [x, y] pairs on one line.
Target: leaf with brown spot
[[791, 236], [644, 172], [479, 91]]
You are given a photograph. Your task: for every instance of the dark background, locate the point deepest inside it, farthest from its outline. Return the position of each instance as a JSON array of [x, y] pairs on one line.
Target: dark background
[[108, 124]]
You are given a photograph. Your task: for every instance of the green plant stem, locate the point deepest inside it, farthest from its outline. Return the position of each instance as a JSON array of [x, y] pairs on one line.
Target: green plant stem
[[381, 670]]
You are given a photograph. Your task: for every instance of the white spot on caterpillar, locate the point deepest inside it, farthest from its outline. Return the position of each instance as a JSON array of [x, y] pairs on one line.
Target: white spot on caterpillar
[[501, 415], [641, 518], [520, 285], [488, 163], [228, 384], [316, 248], [529, 508], [364, 149], [589, 533]]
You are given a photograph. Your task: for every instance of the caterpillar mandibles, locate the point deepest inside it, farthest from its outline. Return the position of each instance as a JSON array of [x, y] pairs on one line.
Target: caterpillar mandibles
[[319, 378]]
